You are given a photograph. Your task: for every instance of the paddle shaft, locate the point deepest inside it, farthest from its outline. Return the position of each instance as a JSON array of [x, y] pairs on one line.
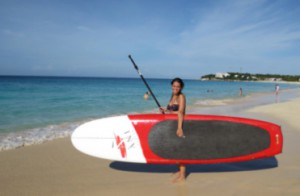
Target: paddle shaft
[[141, 75]]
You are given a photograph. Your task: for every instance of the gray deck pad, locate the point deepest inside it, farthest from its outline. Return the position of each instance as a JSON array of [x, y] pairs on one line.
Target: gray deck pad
[[207, 140]]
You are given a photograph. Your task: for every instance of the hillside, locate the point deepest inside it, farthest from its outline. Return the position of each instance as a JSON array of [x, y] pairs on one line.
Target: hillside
[[251, 77]]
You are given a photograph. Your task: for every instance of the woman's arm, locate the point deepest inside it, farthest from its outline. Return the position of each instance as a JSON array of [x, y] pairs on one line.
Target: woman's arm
[[181, 113]]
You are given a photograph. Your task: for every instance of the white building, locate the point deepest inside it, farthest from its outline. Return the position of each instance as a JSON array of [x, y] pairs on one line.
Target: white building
[[222, 75]]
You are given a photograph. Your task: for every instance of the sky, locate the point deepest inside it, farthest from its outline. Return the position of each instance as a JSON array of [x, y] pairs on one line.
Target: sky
[[170, 38]]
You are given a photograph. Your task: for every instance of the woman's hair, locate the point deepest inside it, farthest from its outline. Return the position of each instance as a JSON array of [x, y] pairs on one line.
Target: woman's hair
[[179, 81]]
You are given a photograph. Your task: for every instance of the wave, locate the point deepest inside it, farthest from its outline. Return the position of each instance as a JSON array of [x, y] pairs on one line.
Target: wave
[[24, 138], [213, 102]]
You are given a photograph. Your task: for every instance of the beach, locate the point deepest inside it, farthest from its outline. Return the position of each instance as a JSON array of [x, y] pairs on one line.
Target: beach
[[221, 80], [57, 168]]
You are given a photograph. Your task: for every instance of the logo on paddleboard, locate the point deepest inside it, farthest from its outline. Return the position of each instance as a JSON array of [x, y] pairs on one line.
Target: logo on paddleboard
[[123, 142]]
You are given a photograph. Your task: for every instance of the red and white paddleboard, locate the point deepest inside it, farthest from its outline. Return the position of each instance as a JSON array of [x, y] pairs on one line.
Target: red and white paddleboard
[[151, 138]]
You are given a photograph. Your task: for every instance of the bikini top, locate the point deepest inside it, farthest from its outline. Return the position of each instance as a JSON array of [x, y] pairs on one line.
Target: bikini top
[[173, 107]]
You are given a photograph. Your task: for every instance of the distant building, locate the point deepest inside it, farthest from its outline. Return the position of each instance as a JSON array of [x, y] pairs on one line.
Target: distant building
[[204, 79], [273, 79], [270, 79], [222, 75]]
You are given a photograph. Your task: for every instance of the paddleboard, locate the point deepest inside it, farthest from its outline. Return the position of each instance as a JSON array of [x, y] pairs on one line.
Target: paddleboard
[[151, 138]]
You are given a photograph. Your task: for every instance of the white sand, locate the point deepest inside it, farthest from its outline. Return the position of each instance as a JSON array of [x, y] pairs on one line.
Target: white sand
[[56, 168]]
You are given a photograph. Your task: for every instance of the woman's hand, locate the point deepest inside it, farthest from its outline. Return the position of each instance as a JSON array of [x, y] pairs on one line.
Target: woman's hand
[[180, 133], [162, 110]]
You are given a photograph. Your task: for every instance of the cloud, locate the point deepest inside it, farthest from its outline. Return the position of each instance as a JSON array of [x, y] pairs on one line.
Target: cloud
[[83, 28], [11, 33], [226, 32]]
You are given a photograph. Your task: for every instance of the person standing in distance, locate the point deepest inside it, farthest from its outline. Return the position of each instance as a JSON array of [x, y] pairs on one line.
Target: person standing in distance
[[277, 89]]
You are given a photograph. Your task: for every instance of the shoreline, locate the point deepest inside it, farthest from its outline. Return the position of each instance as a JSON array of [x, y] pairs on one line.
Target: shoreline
[[57, 168], [240, 104], [11, 141]]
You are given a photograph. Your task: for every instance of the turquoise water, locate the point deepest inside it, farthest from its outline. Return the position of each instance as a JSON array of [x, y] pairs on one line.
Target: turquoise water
[[35, 109]]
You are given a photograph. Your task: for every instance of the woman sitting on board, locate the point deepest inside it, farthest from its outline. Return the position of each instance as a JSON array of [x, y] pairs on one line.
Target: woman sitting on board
[[177, 105]]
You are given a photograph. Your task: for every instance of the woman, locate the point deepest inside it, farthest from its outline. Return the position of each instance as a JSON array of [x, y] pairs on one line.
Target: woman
[[177, 106]]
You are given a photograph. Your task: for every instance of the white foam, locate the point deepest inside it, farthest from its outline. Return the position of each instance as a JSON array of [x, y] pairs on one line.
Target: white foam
[[36, 136], [212, 102]]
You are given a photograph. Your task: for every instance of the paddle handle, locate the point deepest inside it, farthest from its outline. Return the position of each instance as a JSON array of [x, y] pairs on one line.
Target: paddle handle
[[145, 82]]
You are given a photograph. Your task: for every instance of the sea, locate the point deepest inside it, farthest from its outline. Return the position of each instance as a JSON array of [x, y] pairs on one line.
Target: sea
[[35, 109]]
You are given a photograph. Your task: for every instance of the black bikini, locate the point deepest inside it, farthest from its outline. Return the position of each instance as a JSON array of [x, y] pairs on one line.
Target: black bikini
[[173, 107]]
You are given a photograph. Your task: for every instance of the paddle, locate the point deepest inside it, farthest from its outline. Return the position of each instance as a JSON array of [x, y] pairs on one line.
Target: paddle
[[141, 75]]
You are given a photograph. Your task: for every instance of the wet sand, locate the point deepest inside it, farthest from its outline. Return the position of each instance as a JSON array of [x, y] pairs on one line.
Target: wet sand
[[56, 168]]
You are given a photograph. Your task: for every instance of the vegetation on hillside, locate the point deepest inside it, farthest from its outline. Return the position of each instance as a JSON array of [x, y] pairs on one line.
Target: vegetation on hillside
[[251, 77]]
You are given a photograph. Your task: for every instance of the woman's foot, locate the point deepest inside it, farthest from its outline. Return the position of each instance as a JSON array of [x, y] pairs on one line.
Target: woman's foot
[[179, 178], [180, 174]]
